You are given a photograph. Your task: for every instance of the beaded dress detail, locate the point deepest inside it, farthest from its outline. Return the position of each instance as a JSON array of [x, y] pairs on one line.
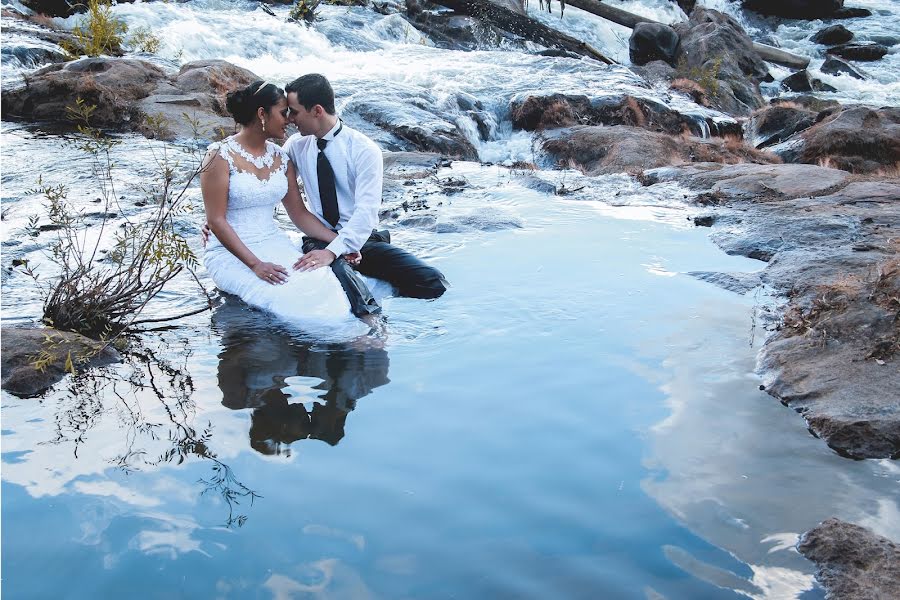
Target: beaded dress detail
[[310, 299]]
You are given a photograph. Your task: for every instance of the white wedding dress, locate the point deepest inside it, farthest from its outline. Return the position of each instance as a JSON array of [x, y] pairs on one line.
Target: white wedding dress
[[311, 300]]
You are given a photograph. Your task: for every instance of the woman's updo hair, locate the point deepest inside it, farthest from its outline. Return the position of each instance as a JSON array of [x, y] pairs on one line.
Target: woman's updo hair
[[242, 104]]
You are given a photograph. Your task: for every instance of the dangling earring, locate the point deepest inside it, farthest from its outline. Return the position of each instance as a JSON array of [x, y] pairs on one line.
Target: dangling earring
[[263, 123]]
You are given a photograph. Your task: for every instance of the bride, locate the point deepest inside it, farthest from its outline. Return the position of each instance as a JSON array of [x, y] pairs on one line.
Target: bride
[[242, 179]]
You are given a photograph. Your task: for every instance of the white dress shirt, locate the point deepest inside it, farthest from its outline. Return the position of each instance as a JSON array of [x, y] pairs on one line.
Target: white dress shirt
[[358, 174]]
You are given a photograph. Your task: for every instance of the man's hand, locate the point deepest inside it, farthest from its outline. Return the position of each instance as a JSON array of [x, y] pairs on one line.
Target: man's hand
[[314, 260], [353, 258], [204, 233]]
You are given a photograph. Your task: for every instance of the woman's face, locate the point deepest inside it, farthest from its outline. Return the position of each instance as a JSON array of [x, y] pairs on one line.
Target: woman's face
[[277, 119]]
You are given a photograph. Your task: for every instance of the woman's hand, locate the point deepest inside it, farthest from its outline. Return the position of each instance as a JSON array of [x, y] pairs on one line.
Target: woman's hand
[[270, 272]]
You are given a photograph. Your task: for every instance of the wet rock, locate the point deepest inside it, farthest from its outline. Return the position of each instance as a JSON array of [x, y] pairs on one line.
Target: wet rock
[[853, 562], [776, 123], [838, 348], [54, 8], [847, 12], [652, 41], [717, 53], [602, 150], [535, 113], [656, 71], [739, 283], [857, 139], [412, 165], [35, 359], [132, 95], [863, 52], [835, 66], [802, 81], [794, 9], [832, 36]]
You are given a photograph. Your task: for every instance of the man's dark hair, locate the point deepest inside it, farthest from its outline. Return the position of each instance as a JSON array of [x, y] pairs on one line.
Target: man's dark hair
[[313, 89]]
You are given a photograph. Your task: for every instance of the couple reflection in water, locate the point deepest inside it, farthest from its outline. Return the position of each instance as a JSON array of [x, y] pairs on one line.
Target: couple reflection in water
[[297, 389]]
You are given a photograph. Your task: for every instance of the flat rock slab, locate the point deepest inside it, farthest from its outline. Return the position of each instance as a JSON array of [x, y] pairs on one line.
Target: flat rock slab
[[35, 359], [853, 562], [832, 244]]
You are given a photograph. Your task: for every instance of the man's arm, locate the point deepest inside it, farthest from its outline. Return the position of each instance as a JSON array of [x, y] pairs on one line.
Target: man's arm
[[369, 176]]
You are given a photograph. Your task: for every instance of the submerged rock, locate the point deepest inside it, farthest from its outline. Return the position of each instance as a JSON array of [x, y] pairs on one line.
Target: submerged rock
[[848, 12], [778, 122], [34, 359], [853, 562], [802, 81], [835, 66]]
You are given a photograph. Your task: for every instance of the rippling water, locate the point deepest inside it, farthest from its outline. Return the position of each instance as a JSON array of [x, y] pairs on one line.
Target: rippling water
[[577, 417]]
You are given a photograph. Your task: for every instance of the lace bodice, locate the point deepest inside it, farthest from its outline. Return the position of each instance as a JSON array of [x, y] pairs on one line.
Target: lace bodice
[[255, 186]]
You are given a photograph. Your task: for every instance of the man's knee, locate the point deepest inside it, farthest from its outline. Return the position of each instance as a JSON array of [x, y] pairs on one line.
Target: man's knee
[[428, 288]]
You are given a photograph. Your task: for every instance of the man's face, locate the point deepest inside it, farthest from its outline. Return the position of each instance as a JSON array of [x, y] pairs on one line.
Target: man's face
[[305, 120]]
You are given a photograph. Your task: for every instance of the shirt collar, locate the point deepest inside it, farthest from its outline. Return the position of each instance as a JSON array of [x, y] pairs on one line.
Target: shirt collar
[[333, 131]]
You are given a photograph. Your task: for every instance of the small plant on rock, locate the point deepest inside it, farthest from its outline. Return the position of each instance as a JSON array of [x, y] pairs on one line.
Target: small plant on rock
[[98, 32], [304, 10], [143, 40]]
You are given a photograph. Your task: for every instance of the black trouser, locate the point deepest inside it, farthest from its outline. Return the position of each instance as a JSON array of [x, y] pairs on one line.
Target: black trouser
[[382, 260]]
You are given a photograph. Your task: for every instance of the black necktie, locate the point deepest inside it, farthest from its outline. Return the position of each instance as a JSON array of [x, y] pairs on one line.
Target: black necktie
[[327, 191]]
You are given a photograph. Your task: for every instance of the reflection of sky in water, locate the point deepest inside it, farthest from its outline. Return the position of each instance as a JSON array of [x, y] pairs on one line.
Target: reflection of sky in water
[[509, 448]]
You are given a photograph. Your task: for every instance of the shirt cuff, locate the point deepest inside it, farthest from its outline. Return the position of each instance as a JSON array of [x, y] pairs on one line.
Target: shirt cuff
[[337, 247]]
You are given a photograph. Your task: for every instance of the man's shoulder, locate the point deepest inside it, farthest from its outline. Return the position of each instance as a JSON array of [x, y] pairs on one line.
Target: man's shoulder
[[362, 142]]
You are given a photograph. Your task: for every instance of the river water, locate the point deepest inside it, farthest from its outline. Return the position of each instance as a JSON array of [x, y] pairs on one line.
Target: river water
[[578, 417]]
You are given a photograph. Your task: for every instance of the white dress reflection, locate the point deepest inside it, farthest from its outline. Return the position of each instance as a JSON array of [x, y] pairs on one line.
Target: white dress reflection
[[298, 388]]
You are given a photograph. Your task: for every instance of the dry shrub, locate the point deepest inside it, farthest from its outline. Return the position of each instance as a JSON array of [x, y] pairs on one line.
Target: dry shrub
[[692, 89], [637, 114]]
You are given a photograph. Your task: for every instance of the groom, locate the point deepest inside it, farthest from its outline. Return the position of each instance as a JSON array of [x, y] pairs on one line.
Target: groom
[[342, 171]]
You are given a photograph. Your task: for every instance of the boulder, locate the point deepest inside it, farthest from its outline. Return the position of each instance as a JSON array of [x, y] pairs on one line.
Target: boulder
[[863, 52], [832, 36], [132, 95], [778, 122], [534, 113], [794, 9], [835, 66], [857, 139], [853, 562], [717, 53], [652, 41], [35, 359], [604, 150], [801, 81], [851, 13]]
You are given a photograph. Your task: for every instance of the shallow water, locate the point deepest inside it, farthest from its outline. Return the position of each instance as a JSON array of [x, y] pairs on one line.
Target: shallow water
[[577, 415]]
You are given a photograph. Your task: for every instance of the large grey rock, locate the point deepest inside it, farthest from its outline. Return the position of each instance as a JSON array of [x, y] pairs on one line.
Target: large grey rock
[[856, 139], [534, 113], [853, 562], [602, 150], [133, 95], [778, 122], [34, 359], [802, 81], [716, 52]]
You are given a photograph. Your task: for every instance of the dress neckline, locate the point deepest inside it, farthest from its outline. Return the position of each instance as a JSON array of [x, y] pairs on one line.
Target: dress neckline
[[260, 162]]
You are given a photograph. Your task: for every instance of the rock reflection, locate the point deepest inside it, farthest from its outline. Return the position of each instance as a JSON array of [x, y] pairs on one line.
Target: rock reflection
[[298, 388]]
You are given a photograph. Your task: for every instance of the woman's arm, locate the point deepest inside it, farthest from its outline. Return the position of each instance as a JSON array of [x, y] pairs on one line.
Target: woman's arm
[[305, 221], [214, 185]]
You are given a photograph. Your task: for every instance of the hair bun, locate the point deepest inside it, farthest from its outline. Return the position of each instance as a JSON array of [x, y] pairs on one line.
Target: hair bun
[[236, 104]]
